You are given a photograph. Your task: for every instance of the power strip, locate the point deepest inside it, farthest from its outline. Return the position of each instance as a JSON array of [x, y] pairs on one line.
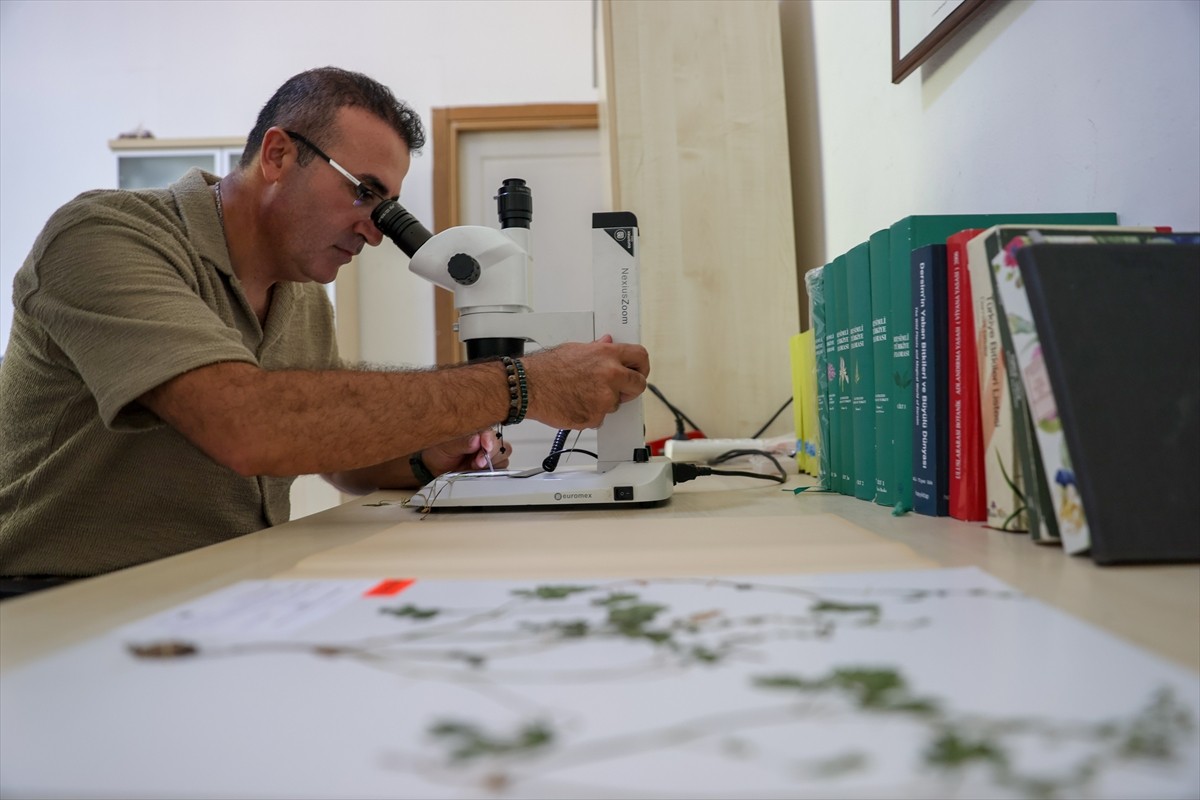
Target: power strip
[[696, 451]]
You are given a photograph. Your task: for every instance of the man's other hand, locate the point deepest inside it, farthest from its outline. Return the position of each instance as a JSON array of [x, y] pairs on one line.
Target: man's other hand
[[468, 453]]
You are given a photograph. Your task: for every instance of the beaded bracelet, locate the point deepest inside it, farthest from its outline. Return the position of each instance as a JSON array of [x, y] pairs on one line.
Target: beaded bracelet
[[518, 389]]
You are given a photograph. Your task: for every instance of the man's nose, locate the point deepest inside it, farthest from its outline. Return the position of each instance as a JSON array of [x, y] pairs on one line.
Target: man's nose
[[366, 229]]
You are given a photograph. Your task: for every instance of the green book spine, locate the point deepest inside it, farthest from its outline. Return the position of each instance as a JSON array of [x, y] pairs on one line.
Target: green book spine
[[845, 398], [814, 282], [831, 395], [862, 369], [881, 347], [905, 236]]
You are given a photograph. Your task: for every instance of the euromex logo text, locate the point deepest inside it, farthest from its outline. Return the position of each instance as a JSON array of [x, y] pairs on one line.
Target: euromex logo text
[[573, 496]]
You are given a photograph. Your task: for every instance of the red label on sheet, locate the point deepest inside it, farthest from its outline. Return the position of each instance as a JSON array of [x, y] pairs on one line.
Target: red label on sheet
[[389, 587]]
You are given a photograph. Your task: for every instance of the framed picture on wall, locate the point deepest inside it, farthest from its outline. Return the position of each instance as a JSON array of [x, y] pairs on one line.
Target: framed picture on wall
[[920, 27]]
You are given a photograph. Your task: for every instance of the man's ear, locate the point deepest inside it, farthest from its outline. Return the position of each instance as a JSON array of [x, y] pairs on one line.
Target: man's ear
[[278, 150]]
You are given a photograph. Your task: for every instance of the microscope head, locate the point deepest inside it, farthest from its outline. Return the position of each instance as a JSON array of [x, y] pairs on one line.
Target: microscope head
[[486, 270]]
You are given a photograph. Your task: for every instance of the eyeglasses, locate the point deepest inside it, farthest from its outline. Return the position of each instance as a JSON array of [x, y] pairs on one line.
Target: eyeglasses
[[364, 195]]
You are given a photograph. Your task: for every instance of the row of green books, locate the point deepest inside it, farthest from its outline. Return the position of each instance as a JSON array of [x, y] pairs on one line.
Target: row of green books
[[862, 313], [920, 384]]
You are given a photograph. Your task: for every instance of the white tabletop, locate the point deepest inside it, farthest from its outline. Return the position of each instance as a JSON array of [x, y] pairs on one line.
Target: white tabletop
[[719, 526]]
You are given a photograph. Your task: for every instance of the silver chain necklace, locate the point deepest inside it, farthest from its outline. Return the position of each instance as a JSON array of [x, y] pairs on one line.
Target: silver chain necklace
[[220, 210]]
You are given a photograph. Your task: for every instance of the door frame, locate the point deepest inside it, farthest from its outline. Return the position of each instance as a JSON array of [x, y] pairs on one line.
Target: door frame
[[448, 124]]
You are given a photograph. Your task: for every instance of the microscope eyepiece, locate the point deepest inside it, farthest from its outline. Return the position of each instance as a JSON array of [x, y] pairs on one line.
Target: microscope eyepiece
[[514, 204], [394, 222]]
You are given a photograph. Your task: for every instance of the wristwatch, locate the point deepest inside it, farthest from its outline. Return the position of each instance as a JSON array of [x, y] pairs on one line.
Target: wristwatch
[[419, 470]]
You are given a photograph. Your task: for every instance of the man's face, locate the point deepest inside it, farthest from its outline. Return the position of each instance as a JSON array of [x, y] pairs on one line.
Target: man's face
[[324, 223]]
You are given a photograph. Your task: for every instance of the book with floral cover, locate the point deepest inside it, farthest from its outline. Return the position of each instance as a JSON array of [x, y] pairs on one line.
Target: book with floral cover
[[817, 282], [1125, 380], [1044, 457]]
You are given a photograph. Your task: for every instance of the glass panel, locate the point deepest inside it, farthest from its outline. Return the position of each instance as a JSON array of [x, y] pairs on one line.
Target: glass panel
[[232, 159], [152, 172]]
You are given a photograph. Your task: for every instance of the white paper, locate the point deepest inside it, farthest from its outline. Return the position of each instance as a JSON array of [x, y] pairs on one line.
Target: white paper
[[700, 688], [253, 609]]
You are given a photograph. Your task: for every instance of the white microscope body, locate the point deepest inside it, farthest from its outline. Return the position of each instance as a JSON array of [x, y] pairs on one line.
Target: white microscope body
[[488, 271]]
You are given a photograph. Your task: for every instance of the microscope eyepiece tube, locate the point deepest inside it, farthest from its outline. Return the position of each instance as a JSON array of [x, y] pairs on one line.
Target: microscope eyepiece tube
[[394, 222], [514, 204]]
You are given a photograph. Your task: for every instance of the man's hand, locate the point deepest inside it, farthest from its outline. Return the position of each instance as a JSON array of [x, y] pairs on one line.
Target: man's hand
[[576, 385], [458, 455], [467, 453]]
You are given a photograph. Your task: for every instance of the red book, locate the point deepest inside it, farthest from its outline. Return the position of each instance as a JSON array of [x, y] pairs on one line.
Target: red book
[[968, 493]]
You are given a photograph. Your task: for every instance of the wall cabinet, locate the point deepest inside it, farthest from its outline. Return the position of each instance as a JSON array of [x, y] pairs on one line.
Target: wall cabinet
[[154, 163]]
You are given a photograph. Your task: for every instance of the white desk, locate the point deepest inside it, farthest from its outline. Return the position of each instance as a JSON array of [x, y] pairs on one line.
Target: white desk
[[1155, 607], [362, 709]]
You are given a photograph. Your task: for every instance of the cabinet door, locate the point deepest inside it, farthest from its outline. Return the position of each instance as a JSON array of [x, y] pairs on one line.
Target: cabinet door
[[155, 169], [161, 168], [230, 156]]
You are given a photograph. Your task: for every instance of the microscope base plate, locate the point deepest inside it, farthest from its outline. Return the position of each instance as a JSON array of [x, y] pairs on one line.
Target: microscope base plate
[[626, 484]]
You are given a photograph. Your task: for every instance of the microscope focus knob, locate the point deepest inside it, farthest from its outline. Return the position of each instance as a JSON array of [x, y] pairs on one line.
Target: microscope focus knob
[[463, 268]]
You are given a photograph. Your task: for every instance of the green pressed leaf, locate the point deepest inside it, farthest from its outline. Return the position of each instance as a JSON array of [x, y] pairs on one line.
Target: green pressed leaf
[[551, 592]]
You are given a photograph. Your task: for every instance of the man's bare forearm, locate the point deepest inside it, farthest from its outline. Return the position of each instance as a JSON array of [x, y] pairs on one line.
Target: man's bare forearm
[[296, 423], [259, 422]]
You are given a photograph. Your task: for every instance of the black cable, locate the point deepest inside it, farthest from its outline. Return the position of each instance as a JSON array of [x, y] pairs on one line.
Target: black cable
[[680, 417], [554, 455], [759, 432], [732, 454], [682, 472], [550, 462], [740, 474]]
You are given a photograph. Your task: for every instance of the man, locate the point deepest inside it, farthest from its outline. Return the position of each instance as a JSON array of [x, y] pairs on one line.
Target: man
[[172, 364]]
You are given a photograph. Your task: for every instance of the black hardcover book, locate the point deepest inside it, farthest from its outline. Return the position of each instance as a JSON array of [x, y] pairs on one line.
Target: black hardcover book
[[1120, 335], [931, 384]]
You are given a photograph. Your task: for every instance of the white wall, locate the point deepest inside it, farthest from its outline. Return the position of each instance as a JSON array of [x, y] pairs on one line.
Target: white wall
[[74, 74], [1044, 105]]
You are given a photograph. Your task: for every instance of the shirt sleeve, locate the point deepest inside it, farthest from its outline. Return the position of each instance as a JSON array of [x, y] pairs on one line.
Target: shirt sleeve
[[130, 304]]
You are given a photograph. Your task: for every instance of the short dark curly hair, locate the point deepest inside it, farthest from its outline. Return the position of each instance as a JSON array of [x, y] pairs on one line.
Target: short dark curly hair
[[309, 103]]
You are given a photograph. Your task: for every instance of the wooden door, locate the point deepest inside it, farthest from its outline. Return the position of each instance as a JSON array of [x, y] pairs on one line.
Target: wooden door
[[556, 150], [465, 126]]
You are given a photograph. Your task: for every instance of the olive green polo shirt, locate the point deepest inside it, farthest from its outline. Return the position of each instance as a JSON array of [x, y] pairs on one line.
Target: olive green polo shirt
[[122, 292]]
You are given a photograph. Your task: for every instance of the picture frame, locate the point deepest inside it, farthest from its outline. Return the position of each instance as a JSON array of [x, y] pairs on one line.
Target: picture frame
[[920, 27]]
